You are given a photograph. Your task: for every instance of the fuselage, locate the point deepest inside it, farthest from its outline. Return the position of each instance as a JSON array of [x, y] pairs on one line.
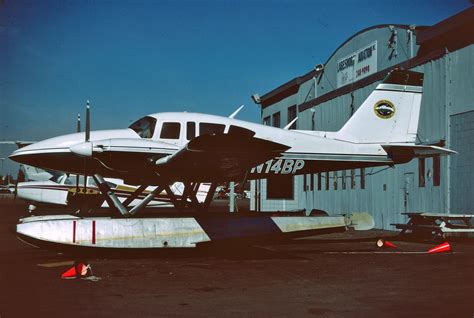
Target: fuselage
[[166, 133]]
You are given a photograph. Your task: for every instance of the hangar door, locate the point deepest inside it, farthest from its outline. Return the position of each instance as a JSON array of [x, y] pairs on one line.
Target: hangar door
[[462, 164]]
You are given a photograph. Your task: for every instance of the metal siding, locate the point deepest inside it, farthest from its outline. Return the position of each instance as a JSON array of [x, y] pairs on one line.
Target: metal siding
[[462, 181], [461, 80], [447, 90]]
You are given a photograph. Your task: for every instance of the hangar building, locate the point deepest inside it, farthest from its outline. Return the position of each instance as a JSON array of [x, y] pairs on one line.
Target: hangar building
[[327, 96]]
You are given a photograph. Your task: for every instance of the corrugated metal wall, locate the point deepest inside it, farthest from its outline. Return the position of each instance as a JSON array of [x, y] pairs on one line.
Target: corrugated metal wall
[[448, 90]]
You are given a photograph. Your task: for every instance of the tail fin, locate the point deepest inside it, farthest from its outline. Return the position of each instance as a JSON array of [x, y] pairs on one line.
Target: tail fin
[[390, 114]]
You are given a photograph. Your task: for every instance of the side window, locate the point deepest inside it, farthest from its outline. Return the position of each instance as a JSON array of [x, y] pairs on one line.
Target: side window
[[292, 115], [266, 121], [111, 184], [276, 120], [208, 128], [170, 130], [190, 130], [91, 182], [72, 179]]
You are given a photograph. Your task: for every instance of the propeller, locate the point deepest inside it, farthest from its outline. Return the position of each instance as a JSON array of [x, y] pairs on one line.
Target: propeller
[[87, 138], [78, 130]]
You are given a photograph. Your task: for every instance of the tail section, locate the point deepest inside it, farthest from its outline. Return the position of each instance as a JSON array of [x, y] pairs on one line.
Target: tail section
[[390, 114]]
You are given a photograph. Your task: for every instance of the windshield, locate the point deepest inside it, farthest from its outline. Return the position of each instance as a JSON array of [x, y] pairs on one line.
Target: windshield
[[144, 127]]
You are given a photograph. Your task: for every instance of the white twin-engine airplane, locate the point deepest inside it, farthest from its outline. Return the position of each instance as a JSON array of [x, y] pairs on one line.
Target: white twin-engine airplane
[[163, 148]]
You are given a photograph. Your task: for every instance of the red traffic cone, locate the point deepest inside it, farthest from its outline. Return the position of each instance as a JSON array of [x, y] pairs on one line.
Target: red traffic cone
[[445, 247], [79, 270], [383, 243]]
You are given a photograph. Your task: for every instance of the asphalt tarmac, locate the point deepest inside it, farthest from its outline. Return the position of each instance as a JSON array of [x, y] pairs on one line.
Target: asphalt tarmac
[[337, 275]]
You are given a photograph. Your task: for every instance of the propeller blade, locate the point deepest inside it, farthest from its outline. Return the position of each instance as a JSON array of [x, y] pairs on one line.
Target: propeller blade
[[88, 135], [88, 121], [78, 122]]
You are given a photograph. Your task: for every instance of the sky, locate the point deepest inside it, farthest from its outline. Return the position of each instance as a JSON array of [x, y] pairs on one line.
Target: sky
[[132, 58]]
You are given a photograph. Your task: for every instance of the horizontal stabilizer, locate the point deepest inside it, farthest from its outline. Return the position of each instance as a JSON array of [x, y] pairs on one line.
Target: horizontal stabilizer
[[415, 151]]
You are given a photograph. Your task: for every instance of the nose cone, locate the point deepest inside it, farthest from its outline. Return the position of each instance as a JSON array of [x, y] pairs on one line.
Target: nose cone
[[82, 149], [55, 153], [35, 154]]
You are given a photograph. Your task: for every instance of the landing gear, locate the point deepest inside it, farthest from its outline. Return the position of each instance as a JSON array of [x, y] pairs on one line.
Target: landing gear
[[180, 201]]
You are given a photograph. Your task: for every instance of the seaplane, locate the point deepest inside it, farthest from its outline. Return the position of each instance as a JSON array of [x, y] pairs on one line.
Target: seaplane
[[163, 148]]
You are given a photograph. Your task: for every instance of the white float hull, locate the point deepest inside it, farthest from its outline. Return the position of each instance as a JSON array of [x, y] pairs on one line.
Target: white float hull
[[168, 232]]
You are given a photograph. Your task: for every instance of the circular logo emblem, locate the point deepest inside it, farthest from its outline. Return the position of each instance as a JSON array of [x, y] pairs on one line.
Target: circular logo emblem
[[384, 109]]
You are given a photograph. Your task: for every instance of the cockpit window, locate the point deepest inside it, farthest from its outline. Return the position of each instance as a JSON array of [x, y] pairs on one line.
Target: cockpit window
[[144, 127], [170, 131], [209, 128]]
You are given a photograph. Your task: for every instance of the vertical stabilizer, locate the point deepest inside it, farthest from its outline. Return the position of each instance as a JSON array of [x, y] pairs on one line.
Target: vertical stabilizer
[[390, 114]]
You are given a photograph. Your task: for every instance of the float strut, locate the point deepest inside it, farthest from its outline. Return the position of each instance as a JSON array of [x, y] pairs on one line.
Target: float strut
[[210, 196], [105, 189], [172, 197], [145, 201], [134, 195]]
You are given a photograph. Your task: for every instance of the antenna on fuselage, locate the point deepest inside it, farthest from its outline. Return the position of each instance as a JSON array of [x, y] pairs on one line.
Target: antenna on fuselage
[[287, 127], [236, 112]]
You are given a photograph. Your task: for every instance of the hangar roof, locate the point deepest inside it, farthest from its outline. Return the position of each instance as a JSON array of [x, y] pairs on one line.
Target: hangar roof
[[433, 41]]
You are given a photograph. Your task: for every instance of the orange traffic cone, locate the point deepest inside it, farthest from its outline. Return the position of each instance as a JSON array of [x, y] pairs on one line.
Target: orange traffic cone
[[445, 247], [383, 243], [78, 270]]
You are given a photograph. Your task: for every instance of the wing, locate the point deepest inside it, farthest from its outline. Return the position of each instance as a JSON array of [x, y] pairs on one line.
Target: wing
[[218, 157]]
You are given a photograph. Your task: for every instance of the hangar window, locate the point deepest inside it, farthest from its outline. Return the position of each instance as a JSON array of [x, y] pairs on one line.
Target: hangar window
[[436, 171], [353, 183], [209, 128], [266, 121], [327, 180], [280, 187], [344, 185], [319, 181], [144, 127], [276, 120], [362, 178], [311, 182], [190, 130], [421, 172], [170, 131], [292, 115], [305, 182], [335, 180]]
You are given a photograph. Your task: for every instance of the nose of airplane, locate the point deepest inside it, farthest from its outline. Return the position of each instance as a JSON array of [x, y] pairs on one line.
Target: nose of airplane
[[65, 153], [35, 153]]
